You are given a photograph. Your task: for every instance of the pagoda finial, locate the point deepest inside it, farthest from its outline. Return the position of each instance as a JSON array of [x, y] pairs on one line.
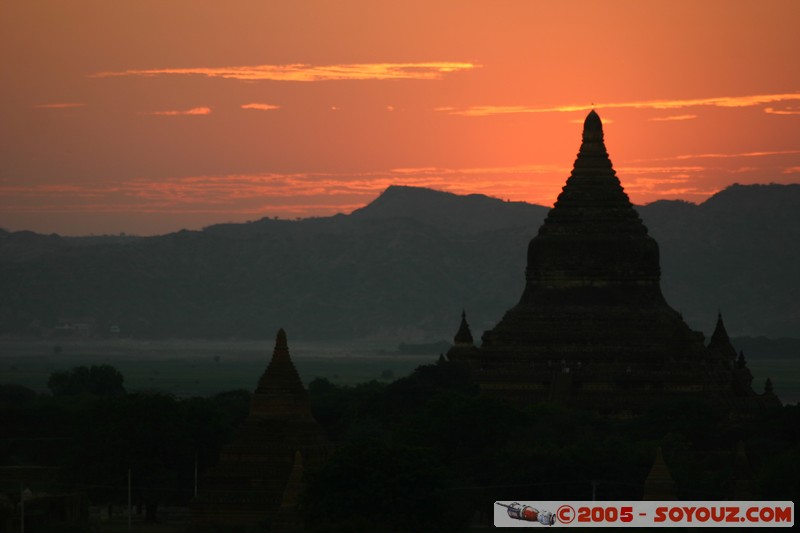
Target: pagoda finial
[[719, 329], [659, 484], [720, 342], [464, 335], [592, 127], [280, 391], [768, 386], [281, 346]]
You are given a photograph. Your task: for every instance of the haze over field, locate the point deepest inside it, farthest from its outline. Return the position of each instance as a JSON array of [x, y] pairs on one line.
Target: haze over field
[[149, 117]]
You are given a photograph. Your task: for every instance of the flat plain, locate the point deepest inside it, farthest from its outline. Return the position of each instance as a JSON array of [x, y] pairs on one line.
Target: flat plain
[[187, 368]]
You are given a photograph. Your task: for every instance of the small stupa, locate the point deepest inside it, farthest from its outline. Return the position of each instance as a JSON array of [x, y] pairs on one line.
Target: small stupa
[[258, 477]]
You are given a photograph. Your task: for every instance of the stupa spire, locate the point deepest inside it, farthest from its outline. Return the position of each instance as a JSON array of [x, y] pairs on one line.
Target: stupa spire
[[592, 127], [593, 237], [659, 484], [280, 391], [463, 335], [281, 350], [720, 341], [463, 344]]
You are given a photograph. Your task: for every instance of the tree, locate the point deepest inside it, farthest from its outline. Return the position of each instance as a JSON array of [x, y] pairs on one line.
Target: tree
[[98, 380]]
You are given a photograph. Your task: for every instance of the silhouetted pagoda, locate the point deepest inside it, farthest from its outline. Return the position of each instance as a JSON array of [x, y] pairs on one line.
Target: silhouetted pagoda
[[257, 479], [592, 328]]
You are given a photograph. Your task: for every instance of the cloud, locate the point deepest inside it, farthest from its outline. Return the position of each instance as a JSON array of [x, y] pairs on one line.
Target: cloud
[[673, 117], [606, 120], [626, 170], [290, 195], [192, 111], [58, 106], [683, 157], [517, 169], [718, 101], [261, 107], [786, 111], [309, 73]]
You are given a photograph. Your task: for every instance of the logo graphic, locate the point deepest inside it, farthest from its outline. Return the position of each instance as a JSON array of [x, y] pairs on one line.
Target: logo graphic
[[529, 514], [729, 513]]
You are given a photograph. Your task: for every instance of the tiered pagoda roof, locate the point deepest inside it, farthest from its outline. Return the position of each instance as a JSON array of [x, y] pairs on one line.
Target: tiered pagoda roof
[[592, 327]]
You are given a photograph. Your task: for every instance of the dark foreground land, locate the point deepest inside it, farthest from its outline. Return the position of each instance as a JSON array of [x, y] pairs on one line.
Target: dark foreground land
[[422, 453]]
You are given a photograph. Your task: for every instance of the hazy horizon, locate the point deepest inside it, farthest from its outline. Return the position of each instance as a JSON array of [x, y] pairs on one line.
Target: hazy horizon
[[293, 219]]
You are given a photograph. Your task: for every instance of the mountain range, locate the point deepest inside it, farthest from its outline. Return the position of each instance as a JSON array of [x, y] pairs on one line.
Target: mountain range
[[403, 266]]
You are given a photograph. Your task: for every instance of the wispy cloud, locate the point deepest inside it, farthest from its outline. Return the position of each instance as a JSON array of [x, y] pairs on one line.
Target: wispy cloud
[[293, 194], [718, 101], [58, 106], [309, 73], [649, 170], [261, 107], [785, 111], [516, 169], [683, 157], [606, 120], [673, 117], [173, 113], [318, 194]]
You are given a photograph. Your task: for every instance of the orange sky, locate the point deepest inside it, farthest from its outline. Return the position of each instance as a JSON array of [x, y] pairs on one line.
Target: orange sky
[[146, 117]]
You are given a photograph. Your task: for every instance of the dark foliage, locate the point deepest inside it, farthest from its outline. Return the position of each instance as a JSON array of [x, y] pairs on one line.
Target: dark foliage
[[99, 380], [424, 453], [95, 440], [15, 394], [484, 449], [380, 488]]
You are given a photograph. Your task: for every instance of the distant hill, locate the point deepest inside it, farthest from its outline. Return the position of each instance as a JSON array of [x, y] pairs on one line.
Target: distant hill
[[403, 266], [450, 212], [737, 252]]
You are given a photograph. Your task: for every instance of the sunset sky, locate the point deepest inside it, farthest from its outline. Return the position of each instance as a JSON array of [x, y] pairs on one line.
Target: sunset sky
[[146, 117]]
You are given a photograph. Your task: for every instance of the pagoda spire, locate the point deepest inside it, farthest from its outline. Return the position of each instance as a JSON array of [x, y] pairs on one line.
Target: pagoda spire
[[280, 391], [463, 344], [659, 484], [463, 335], [593, 135], [720, 342], [281, 350], [719, 330], [741, 362], [593, 236]]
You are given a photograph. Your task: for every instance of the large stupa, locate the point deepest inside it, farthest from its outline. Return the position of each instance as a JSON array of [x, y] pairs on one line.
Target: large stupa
[[592, 328]]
